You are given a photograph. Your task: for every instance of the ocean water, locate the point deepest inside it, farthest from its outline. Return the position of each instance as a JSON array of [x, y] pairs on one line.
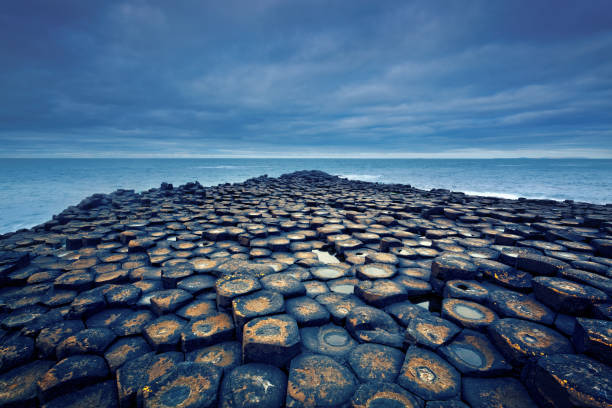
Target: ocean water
[[32, 190]]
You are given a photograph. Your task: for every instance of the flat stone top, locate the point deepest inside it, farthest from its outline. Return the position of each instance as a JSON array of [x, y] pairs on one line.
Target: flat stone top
[[302, 289]]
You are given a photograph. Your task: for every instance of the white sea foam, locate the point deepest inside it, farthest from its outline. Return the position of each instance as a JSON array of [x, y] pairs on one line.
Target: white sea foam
[[362, 177], [492, 194]]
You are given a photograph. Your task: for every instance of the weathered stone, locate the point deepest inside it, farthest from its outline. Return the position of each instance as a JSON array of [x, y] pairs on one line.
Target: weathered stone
[[87, 341], [512, 304], [593, 337], [253, 385], [135, 374], [429, 376], [520, 340], [307, 311], [381, 292], [383, 394], [207, 331], [48, 338], [164, 333], [167, 301], [15, 351], [73, 371], [431, 331], [131, 323], [18, 387], [225, 356], [566, 296], [491, 392], [473, 354], [375, 362], [447, 267], [569, 380], [273, 340], [234, 285], [467, 314], [187, 384], [102, 395], [319, 380], [371, 325], [329, 339], [124, 350], [285, 284]]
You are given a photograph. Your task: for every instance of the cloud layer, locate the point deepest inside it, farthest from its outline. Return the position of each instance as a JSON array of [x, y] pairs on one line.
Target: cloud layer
[[306, 78]]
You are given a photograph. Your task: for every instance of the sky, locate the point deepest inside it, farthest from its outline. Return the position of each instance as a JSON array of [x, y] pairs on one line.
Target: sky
[[283, 78]]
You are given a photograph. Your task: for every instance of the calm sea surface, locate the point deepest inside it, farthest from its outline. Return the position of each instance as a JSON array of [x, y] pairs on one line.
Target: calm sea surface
[[32, 190]]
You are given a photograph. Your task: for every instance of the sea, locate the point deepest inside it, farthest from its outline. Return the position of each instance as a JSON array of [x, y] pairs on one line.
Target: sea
[[33, 190]]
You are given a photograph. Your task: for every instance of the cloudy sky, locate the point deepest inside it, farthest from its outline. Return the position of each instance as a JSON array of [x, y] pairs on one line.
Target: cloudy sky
[[154, 78]]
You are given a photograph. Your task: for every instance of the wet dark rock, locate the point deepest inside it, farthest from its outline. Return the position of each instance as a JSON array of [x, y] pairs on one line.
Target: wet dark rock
[[307, 311], [71, 372], [593, 337], [273, 340], [18, 387], [566, 296], [253, 385], [429, 376], [319, 380], [87, 341], [164, 333], [430, 331], [384, 394], [468, 314], [135, 374], [375, 362], [371, 325], [206, 331], [473, 354], [490, 392], [225, 355], [329, 339], [48, 338], [520, 340], [187, 384], [102, 395]]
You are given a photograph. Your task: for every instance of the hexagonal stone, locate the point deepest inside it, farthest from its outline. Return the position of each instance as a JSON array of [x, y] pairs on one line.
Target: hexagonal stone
[[520, 340], [131, 323], [317, 380], [87, 341], [106, 317], [71, 372], [593, 337], [375, 362], [102, 395], [196, 284], [339, 305], [473, 354], [430, 331], [167, 301], [260, 303], [329, 272], [18, 387], [285, 284], [22, 316], [59, 298], [315, 288], [174, 274], [383, 394], [164, 333], [186, 385], [135, 374], [14, 351], [452, 267], [124, 350], [569, 380], [225, 355], [589, 278], [565, 296], [43, 321], [343, 286], [232, 286], [48, 338], [375, 271], [88, 303], [330, 340], [512, 304], [429, 376], [540, 264], [414, 287], [403, 312], [307, 311], [78, 280], [273, 339], [124, 295], [196, 309], [491, 392], [207, 331], [253, 385], [371, 325], [467, 314], [381, 292], [465, 289], [504, 275]]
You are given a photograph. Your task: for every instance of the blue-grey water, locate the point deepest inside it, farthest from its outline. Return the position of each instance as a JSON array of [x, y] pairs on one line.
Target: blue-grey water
[[32, 190]]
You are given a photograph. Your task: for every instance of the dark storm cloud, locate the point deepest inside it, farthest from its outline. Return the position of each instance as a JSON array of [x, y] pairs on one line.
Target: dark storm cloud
[[190, 78]]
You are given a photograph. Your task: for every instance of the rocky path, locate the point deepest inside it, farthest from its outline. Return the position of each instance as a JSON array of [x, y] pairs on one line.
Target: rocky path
[[308, 290]]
